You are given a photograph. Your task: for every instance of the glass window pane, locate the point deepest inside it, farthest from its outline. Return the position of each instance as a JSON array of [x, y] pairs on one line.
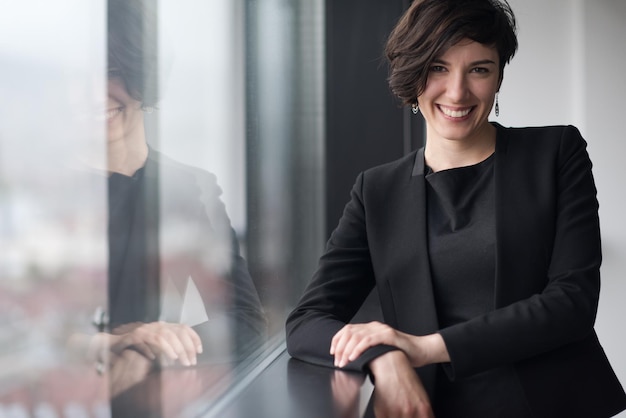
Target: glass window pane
[[161, 190], [53, 266]]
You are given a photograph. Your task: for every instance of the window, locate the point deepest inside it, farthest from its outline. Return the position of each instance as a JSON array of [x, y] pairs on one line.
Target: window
[[159, 161]]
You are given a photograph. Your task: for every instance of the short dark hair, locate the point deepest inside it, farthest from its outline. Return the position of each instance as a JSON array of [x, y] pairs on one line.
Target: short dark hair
[[429, 27], [132, 47]]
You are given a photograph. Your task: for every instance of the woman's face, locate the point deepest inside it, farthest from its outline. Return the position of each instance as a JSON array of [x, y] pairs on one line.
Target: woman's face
[[123, 114], [460, 91]]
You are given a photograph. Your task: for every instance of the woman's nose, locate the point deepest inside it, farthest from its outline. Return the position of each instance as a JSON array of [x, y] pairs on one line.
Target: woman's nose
[[457, 88]]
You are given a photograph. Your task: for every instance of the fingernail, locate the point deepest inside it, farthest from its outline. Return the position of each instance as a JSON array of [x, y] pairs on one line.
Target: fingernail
[[199, 349]]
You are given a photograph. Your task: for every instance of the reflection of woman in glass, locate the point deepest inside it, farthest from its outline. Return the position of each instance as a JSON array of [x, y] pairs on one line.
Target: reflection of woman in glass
[[168, 230], [484, 246]]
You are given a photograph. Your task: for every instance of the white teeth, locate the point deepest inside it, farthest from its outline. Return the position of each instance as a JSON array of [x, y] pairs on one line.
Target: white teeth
[[112, 112], [455, 113]]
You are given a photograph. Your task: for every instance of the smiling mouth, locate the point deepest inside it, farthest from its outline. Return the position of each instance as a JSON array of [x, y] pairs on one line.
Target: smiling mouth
[[111, 113], [461, 113]]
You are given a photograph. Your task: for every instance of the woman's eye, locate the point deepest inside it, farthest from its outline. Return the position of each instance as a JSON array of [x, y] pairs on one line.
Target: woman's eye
[[437, 68], [481, 70]]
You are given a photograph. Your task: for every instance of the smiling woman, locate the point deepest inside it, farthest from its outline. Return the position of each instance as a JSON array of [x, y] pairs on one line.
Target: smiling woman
[[456, 102], [484, 246]]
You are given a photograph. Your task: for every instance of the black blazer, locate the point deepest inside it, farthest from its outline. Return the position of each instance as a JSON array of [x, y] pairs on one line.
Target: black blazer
[[547, 274], [170, 225]]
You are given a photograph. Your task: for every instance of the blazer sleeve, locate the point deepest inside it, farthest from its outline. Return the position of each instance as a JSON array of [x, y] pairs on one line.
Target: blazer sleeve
[[210, 255], [343, 280], [247, 320], [564, 311]]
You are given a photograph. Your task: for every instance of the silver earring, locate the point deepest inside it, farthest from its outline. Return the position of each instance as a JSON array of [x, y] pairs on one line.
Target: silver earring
[[497, 105], [415, 108]]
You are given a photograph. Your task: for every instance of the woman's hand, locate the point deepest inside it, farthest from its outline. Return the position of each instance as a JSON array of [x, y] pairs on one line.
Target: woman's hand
[[398, 390], [353, 339], [127, 369], [159, 340], [346, 389]]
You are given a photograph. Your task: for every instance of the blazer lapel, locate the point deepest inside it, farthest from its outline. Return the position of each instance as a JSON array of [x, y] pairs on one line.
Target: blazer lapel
[[410, 282], [504, 187], [516, 221], [520, 225]]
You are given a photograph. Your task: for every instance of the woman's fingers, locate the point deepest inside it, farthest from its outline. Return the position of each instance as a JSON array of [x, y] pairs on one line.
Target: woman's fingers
[[145, 350], [347, 346], [187, 345], [171, 342], [195, 338], [353, 339], [181, 341], [136, 340], [342, 342]]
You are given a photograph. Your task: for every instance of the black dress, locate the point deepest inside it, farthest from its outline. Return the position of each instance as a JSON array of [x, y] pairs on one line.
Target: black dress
[[461, 240]]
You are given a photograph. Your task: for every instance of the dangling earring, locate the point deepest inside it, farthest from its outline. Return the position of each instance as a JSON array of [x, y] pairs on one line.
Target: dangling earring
[[415, 108], [497, 105]]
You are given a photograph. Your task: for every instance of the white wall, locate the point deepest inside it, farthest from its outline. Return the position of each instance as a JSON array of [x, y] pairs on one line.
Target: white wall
[[570, 70], [605, 94]]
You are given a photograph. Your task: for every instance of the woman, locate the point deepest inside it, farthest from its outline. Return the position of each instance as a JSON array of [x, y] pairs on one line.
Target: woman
[[167, 228], [484, 246]]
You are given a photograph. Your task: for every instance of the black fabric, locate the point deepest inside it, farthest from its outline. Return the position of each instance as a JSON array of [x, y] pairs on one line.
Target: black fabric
[[462, 250], [491, 394], [461, 241], [133, 291], [547, 280], [167, 225]]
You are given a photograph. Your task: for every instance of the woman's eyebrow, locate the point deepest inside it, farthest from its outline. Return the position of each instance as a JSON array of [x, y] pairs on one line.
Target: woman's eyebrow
[[479, 62], [483, 62]]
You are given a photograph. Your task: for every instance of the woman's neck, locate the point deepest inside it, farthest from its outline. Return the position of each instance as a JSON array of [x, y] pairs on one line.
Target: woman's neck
[[127, 156], [442, 154]]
